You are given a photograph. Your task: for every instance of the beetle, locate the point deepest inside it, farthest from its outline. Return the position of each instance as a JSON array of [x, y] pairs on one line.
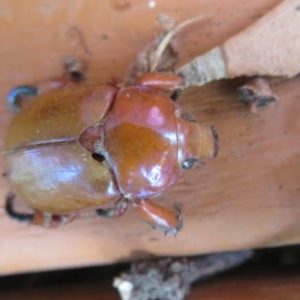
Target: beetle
[[101, 147]]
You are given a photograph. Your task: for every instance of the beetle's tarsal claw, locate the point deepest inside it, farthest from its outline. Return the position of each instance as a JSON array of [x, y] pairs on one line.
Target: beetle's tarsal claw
[[20, 94], [9, 208], [167, 230], [174, 230]]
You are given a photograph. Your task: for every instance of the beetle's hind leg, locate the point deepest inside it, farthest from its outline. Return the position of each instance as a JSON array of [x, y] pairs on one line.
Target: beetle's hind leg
[[9, 208], [18, 96], [117, 210], [44, 219], [74, 72]]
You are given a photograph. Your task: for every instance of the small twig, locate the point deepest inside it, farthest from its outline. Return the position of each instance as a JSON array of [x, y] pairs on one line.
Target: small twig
[[171, 278], [155, 57], [160, 55]]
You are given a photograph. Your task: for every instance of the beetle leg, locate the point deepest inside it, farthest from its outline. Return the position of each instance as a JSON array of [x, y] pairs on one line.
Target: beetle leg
[[159, 217], [163, 81], [49, 220], [116, 211], [9, 208], [38, 218], [20, 95]]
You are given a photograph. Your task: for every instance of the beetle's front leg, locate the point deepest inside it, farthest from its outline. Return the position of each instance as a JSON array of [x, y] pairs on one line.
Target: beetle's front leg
[[20, 95], [158, 216], [117, 210], [44, 219], [169, 82]]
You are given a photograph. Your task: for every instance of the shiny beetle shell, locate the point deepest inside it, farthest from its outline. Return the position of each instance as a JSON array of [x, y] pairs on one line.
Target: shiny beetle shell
[[47, 166], [85, 147], [144, 140]]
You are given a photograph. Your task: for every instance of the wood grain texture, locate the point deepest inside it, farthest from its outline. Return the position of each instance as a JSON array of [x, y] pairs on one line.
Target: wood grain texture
[[248, 197]]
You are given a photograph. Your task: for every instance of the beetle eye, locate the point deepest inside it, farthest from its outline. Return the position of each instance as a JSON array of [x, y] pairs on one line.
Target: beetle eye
[[189, 163], [98, 157]]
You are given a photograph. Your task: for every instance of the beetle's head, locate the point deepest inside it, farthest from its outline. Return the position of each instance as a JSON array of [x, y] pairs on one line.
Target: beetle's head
[[195, 143]]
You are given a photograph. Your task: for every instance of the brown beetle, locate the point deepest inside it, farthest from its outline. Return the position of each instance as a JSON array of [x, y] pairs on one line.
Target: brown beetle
[[99, 147]]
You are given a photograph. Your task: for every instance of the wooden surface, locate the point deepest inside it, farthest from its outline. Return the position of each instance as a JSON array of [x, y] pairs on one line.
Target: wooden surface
[[248, 197]]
